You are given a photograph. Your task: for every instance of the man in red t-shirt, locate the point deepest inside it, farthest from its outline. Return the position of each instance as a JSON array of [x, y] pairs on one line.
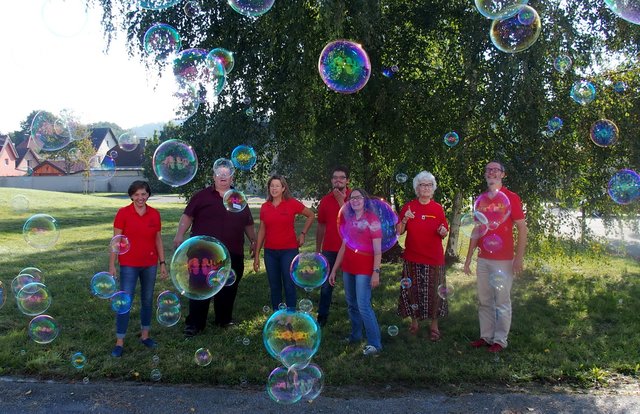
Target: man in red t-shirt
[[497, 264], [328, 239]]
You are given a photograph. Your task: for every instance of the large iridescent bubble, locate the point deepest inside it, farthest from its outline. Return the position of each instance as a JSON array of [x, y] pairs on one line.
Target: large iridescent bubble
[[43, 329], [500, 9], [513, 35], [627, 9], [624, 186], [223, 56], [474, 224], [195, 264], [189, 66], [157, 4], [309, 381], [281, 388], [289, 328], [102, 169], [41, 231], [495, 206], [251, 8], [344, 66], [103, 285], [175, 162], [161, 41], [380, 216], [604, 133], [244, 157], [128, 141], [583, 92], [309, 270], [33, 299], [234, 200], [49, 132]]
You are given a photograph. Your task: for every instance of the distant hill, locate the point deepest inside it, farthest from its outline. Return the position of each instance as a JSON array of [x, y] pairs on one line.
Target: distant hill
[[146, 130]]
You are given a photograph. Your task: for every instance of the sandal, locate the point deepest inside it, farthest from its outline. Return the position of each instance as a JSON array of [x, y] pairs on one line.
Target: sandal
[[435, 335]]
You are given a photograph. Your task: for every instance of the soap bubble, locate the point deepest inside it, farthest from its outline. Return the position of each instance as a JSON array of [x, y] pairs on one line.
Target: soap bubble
[[224, 163], [401, 178], [554, 124], [155, 375], [192, 8], [203, 357], [620, 86], [344, 66], [21, 281], [305, 305], [230, 277], [249, 112], [286, 328], [234, 200], [513, 36], [119, 244], [103, 285], [309, 381], [49, 132], [626, 9], [624, 186], [251, 8], [78, 360], [497, 279], [445, 291], [167, 298], [295, 356], [392, 330], [128, 141], [244, 157], [19, 203], [562, 63], [37, 274], [281, 388], [309, 270], [168, 315], [604, 133], [102, 169], [583, 92], [161, 41], [451, 139], [175, 162], [495, 206], [223, 56], [499, 9], [121, 302], [405, 283], [379, 216], [492, 243], [33, 299], [43, 329], [41, 231], [157, 4], [192, 263]]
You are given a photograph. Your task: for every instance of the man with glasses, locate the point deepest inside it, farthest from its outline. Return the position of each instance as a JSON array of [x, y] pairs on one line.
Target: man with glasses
[[496, 267], [328, 241], [206, 215]]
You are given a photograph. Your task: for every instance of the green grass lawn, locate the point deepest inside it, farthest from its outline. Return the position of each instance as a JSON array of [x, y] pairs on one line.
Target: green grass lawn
[[575, 317]]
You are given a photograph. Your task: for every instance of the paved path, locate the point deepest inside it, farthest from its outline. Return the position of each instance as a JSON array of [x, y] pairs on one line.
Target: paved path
[[47, 397]]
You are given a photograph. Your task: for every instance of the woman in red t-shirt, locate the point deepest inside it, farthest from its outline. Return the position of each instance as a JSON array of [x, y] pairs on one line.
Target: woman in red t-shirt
[[278, 234], [359, 258], [140, 223], [423, 270]]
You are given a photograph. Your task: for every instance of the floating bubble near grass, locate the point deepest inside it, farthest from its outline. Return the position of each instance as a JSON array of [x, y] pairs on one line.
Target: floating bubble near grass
[[624, 186], [78, 360], [175, 162], [119, 244], [445, 291], [193, 262], [309, 270], [393, 330], [168, 316], [281, 388], [103, 285], [305, 305], [308, 380], [511, 35], [121, 302], [43, 329], [202, 357], [344, 66], [604, 133], [19, 203], [33, 299], [167, 298], [41, 231], [289, 328], [21, 281]]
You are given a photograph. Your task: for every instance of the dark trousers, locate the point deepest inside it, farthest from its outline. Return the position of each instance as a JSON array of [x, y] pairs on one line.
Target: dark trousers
[[222, 301], [326, 292]]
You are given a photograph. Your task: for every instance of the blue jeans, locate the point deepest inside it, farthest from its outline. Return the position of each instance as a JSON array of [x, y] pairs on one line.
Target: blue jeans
[[128, 278], [326, 292], [357, 290], [277, 262]]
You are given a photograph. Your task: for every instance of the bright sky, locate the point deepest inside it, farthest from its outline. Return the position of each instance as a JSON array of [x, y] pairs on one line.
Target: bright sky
[[52, 61]]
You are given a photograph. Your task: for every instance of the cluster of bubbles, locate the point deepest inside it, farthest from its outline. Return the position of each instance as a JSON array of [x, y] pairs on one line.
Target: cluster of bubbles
[[344, 66], [378, 216], [168, 308], [175, 162], [515, 27], [451, 139], [293, 338], [41, 231]]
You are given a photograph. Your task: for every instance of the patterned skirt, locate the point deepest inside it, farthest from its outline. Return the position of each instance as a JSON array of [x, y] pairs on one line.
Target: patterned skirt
[[421, 300]]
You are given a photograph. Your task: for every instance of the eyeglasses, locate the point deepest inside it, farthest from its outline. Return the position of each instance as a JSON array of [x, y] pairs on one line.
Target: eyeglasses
[[339, 177], [354, 198], [428, 185], [489, 169]]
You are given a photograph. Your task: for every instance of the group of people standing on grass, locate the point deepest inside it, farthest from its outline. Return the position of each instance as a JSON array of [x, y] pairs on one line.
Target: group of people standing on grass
[[422, 219]]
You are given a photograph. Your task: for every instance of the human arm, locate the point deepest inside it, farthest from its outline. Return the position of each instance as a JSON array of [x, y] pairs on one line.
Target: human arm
[[250, 231], [321, 228], [377, 260], [336, 265], [259, 242], [112, 255], [401, 227], [308, 213], [183, 225], [161, 258], [518, 260], [473, 243]]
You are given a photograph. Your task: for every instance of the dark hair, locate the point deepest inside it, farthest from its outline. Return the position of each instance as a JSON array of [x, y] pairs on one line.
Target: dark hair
[[363, 192], [497, 162], [139, 185], [286, 193], [342, 168]]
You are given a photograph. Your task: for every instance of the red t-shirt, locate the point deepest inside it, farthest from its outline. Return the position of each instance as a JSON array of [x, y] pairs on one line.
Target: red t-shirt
[[361, 234], [423, 244], [280, 232], [141, 231], [504, 231], [328, 215]]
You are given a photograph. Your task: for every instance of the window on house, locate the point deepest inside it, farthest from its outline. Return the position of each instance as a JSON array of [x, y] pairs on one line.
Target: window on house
[[6, 161]]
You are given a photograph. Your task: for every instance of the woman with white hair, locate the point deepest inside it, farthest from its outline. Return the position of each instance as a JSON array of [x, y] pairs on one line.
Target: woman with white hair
[[423, 270]]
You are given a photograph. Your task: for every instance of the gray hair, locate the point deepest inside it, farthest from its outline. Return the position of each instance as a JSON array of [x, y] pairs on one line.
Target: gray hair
[[424, 176]]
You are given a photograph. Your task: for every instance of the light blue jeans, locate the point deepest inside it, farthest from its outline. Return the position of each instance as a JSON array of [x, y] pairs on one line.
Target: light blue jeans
[[357, 290], [128, 278]]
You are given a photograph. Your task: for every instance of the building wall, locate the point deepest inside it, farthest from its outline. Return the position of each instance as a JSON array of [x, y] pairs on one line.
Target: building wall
[[75, 183], [8, 163]]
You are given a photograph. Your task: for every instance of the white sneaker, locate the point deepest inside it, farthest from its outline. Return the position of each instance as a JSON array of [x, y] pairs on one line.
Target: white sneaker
[[370, 350]]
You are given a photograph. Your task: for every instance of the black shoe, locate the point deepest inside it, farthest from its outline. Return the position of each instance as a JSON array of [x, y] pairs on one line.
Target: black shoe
[[191, 331], [322, 320]]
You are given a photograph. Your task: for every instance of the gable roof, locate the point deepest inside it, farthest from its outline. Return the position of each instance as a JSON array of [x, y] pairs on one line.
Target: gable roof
[[58, 165], [98, 135], [127, 159], [5, 141]]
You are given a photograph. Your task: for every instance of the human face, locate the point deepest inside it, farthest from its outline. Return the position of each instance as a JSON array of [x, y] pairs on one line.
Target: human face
[[276, 188], [339, 180], [140, 197], [222, 178], [424, 189], [356, 199], [494, 174]]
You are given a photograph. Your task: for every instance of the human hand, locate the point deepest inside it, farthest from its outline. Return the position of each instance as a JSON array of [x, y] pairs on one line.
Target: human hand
[[300, 239], [408, 215], [177, 241], [163, 272], [252, 250], [340, 195], [256, 264], [112, 269], [467, 268], [518, 265], [332, 278], [442, 230], [375, 280]]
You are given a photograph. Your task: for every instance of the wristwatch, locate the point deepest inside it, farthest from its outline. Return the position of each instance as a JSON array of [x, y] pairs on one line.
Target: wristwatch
[[376, 270]]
